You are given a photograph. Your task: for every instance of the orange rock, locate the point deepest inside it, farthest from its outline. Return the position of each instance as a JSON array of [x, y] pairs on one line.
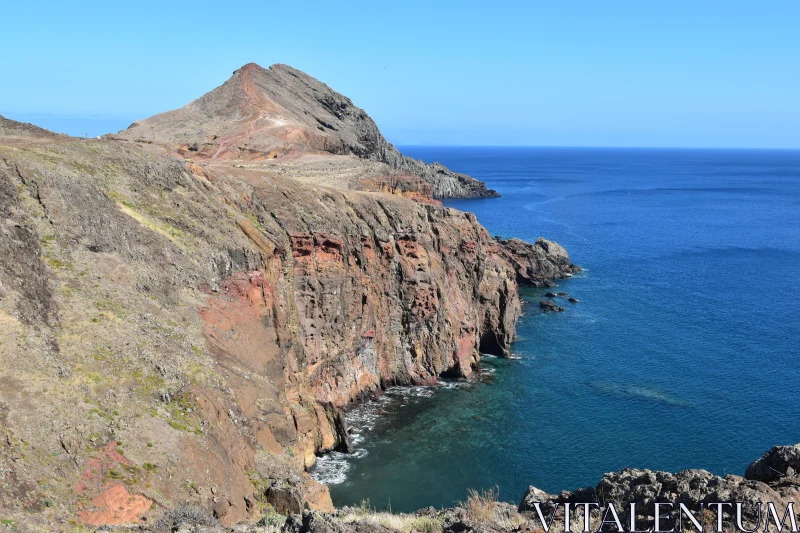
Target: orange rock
[[116, 506]]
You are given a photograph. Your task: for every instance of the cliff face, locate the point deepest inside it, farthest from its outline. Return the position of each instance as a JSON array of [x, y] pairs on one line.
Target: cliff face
[[263, 114], [171, 332]]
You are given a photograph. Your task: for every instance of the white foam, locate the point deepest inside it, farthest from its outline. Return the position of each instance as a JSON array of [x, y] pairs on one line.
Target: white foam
[[331, 469], [450, 384]]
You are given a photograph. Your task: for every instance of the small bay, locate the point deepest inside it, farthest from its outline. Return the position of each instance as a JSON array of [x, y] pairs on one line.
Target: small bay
[[681, 353]]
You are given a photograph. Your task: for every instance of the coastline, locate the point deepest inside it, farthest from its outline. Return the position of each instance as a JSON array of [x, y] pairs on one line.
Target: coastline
[[212, 319], [256, 305]]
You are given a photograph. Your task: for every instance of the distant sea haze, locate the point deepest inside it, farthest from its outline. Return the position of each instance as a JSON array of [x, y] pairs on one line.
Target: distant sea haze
[[681, 353]]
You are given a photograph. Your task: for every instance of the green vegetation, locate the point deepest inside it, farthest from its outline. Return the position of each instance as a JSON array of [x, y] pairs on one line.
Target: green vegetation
[[81, 529], [254, 219], [270, 517], [181, 414], [147, 216], [58, 264]]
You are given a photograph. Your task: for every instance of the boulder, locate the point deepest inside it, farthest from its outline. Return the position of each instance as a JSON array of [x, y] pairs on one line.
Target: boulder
[[779, 462], [549, 306], [533, 496]]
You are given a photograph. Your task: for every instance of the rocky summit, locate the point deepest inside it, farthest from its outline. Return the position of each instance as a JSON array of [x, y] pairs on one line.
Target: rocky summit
[[283, 120], [182, 328]]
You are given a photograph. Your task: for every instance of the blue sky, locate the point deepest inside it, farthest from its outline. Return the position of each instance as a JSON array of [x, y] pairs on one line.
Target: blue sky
[[593, 73]]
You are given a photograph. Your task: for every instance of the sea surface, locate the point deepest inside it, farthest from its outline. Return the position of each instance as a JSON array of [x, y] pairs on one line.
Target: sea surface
[[683, 352]]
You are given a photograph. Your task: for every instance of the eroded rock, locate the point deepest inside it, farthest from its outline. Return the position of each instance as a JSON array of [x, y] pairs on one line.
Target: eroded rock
[[539, 263], [778, 463], [549, 306]]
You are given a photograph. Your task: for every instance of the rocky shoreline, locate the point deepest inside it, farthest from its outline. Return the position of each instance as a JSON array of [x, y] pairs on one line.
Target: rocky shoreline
[[771, 479], [185, 312]]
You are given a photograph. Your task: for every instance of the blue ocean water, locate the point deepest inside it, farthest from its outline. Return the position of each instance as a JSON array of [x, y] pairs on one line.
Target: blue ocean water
[[682, 353]]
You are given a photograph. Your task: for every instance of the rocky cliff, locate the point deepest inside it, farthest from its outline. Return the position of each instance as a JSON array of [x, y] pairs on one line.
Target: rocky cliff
[[171, 332], [539, 263], [282, 113]]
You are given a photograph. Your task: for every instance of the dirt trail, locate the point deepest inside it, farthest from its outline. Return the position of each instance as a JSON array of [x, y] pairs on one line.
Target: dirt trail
[[262, 105]]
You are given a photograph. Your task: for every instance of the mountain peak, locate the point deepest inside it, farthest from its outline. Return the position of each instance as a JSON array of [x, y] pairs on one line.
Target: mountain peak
[[249, 67], [261, 114]]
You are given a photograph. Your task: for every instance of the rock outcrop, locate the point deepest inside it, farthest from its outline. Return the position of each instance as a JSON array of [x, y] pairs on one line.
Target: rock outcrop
[[264, 114], [781, 462], [760, 486], [206, 326], [539, 263], [549, 306]]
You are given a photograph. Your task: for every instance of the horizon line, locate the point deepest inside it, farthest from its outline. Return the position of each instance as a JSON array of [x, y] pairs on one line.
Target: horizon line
[[598, 147], [101, 117]]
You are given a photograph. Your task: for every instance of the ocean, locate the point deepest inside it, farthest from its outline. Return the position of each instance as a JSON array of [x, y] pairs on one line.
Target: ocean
[[682, 352]]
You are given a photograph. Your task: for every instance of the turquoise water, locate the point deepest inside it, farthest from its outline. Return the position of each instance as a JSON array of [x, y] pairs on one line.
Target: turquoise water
[[683, 350]]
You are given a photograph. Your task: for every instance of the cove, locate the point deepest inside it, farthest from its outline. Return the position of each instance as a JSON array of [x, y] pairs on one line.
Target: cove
[[679, 354]]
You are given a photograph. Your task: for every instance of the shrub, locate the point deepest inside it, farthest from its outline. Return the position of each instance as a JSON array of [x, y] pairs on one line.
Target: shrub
[[185, 514], [480, 506]]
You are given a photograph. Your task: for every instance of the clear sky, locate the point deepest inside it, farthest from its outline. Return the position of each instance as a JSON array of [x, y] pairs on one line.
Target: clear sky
[[711, 73]]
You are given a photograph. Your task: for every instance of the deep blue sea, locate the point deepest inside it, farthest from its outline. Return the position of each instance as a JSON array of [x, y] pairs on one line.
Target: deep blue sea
[[682, 353]]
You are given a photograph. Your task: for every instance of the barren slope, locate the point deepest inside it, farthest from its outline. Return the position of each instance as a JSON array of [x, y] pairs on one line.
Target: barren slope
[[264, 114]]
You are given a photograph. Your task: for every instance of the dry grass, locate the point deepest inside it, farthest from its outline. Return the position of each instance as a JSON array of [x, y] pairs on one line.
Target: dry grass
[[405, 523], [481, 506], [399, 522]]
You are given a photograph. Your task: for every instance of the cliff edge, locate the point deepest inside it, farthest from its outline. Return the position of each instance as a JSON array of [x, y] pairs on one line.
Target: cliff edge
[[172, 333]]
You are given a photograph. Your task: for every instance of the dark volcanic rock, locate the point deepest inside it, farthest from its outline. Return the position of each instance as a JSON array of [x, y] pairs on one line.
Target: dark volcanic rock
[[573, 300], [539, 263], [690, 487], [550, 294], [780, 462], [534, 495], [549, 306]]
